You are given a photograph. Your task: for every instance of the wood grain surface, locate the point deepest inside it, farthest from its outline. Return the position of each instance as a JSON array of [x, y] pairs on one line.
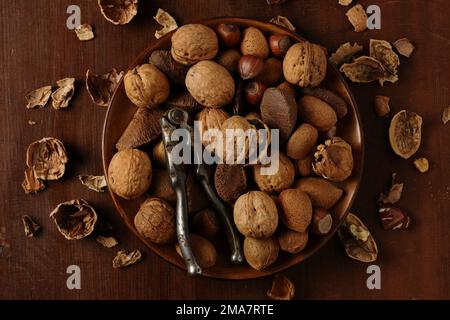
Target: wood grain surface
[[37, 49]]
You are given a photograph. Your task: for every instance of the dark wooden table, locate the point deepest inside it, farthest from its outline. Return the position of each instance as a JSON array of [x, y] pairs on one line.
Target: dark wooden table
[[37, 49]]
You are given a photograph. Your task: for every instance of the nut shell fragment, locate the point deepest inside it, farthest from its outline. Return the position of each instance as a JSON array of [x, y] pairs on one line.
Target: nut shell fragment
[[102, 87], [95, 183], [47, 157], [31, 184], [405, 133], [74, 219], [107, 242], [357, 240], [422, 164], [30, 226], [118, 11], [404, 47], [357, 17], [62, 96], [345, 53], [167, 22], [125, 259], [363, 70], [38, 97], [282, 288], [382, 107], [283, 22], [382, 51], [446, 115]]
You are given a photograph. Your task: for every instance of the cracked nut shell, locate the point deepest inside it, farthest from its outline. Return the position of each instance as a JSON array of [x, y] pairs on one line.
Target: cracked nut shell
[[47, 158], [334, 160]]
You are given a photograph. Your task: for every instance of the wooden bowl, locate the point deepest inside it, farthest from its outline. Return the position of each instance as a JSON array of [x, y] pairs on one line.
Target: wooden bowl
[[121, 110]]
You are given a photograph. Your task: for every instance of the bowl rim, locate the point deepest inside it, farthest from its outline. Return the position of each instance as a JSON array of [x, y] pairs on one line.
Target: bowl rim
[[258, 24]]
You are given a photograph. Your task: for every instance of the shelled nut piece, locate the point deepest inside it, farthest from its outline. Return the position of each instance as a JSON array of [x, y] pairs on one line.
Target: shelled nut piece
[[305, 64], [255, 215], [334, 160], [192, 43], [130, 173], [155, 220], [146, 86]]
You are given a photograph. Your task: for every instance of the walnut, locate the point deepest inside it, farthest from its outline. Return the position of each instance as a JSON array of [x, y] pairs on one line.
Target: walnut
[[296, 209], [118, 11], [38, 97], [62, 96], [382, 51], [192, 43], [334, 160], [277, 182], [235, 145], [260, 253], [155, 220], [357, 17], [130, 173], [209, 119], [255, 215], [102, 87], [74, 219], [254, 43], [210, 84], [146, 86], [167, 22], [305, 64], [47, 157]]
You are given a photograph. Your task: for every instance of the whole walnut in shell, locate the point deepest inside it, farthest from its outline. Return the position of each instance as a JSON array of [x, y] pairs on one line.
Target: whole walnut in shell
[[305, 64], [233, 151], [334, 160], [146, 86], [118, 11], [192, 43], [155, 220], [261, 253], [255, 215], [210, 119], [130, 173], [280, 180], [210, 84]]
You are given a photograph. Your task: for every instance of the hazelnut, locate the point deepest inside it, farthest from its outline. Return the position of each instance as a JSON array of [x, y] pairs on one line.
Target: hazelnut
[[229, 34], [279, 44], [304, 166], [210, 84], [322, 193], [206, 223], [334, 160], [250, 67], [146, 86], [130, 173], [229, 59], [317, 112], [253, 92], [159, 154], [192, 43], [210, 119], [254, 43], [292, 241], [302, 141], [296, 209], [204, 251], [272, 73], [280, 180], [260, 253], [255, 215], [322, 221], [305, 64], [230, 182], [155, 220]]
